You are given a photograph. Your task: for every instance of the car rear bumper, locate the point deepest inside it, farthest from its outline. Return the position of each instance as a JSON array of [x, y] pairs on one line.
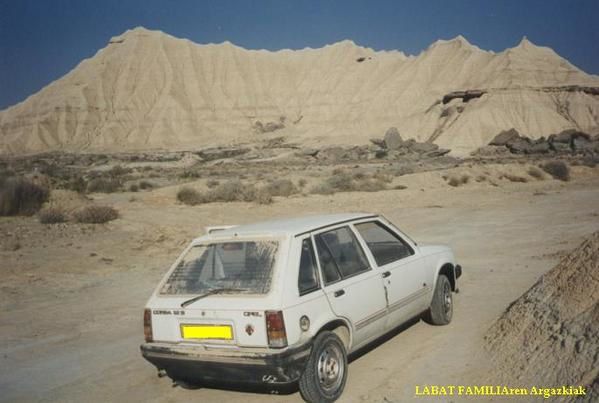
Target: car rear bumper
[[196, 364]]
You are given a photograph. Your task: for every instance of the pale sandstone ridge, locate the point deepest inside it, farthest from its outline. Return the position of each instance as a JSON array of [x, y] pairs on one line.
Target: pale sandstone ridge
[[550, 335], [148, 90]]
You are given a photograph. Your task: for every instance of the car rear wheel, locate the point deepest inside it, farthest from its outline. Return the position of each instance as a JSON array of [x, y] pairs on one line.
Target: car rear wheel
[[441, 309], [325, 375]]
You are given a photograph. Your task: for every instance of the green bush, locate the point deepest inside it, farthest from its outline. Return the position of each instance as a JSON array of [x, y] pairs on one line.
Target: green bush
[[96, 214], [19, 196], [557, 169]]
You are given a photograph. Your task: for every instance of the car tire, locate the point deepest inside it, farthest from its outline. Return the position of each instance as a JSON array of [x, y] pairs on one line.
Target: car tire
[[441, 310], [325, 374]]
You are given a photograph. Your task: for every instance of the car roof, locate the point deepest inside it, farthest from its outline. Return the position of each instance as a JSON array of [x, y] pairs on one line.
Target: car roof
[[291, 226]]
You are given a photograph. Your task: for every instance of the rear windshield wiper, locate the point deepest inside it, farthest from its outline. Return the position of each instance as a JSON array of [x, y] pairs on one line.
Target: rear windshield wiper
[[211, 292]]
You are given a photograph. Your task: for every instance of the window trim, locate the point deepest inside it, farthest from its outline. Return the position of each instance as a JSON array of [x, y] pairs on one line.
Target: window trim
[[393, 233], [318, 276], [359, 244]]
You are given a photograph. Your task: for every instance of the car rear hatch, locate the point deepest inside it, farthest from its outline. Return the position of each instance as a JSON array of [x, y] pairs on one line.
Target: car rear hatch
[[217, 294]]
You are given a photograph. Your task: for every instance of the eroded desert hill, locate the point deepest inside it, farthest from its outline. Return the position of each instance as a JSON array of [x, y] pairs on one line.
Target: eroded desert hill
[[148, 90]]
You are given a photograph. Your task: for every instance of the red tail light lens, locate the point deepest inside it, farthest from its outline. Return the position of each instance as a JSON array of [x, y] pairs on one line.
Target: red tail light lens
[[148, 325], [275, 329]]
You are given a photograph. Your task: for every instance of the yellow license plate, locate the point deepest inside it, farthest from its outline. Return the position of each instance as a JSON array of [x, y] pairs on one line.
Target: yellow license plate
[[213, 332]]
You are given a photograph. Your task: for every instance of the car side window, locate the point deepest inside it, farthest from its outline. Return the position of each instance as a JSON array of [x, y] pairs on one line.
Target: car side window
[[386, 246], [340, 254], [308, 271]]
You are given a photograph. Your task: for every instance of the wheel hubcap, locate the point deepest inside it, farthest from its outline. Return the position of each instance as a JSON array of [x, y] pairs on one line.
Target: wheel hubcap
[[330, 368], [447, 298]]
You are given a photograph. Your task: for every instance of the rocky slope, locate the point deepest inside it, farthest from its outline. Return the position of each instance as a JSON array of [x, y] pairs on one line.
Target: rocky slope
[[148, 90], [550, 335]]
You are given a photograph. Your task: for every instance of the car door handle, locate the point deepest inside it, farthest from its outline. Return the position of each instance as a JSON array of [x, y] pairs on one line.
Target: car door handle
[[339, 293], [386, 274]]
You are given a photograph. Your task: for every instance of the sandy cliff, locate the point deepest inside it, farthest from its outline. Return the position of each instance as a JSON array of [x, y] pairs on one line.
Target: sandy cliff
[[149, 90]]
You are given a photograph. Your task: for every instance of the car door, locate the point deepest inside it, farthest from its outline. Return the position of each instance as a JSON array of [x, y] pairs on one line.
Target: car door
[[401, 269], [354, 290]]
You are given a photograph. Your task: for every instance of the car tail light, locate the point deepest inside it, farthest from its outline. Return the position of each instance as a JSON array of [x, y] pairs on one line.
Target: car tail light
[[148, 325], [275, 328]]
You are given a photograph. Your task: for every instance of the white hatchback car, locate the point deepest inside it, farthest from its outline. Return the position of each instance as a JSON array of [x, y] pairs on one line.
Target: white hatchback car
[[284, 301]]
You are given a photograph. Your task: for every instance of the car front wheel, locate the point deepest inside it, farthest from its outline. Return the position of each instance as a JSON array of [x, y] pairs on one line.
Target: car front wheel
[[441, 309], [324, 378]]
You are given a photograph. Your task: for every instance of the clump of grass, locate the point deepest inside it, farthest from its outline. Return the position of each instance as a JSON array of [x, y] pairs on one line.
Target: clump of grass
[[52, 215], [557, 169], [515, 178], [302, 183], [536, 173], [20, 196], [400, 187], [481, 178], [456, 181], [96, 214], [281, 187], [133, 187], [189, 196], [118, 170], [103, 185]]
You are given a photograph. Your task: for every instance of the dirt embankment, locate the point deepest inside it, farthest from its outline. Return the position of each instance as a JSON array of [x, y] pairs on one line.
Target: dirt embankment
[[550, 335]]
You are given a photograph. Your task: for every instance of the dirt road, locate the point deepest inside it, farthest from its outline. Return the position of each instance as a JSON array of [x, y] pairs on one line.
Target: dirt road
[[72, 296]]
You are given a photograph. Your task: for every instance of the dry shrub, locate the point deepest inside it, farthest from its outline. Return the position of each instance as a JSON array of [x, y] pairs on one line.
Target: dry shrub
[[52, 215], [96, 214], [230, 191], [343, 182], [536, 173], [557, 169], [458, 181], [212, 183], [77, 184], [20, 196], [481, 178], [515, 178], [133, 187], [189, 196], [103, 185], [146, 185], [118, 170], [281, 187], [302, 182], [263, 197], [233, 190]]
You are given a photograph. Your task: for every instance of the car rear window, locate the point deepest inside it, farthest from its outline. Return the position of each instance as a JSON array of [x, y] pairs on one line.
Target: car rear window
[[246, 266]]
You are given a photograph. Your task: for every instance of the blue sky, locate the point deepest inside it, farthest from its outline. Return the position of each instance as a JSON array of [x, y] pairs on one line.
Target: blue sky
[[40, 40]]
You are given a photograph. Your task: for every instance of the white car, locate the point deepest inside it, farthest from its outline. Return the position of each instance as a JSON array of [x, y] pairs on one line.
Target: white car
[[286, 301]]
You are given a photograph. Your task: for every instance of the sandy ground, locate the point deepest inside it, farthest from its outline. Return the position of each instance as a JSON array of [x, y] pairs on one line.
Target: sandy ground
[[71, 296]]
